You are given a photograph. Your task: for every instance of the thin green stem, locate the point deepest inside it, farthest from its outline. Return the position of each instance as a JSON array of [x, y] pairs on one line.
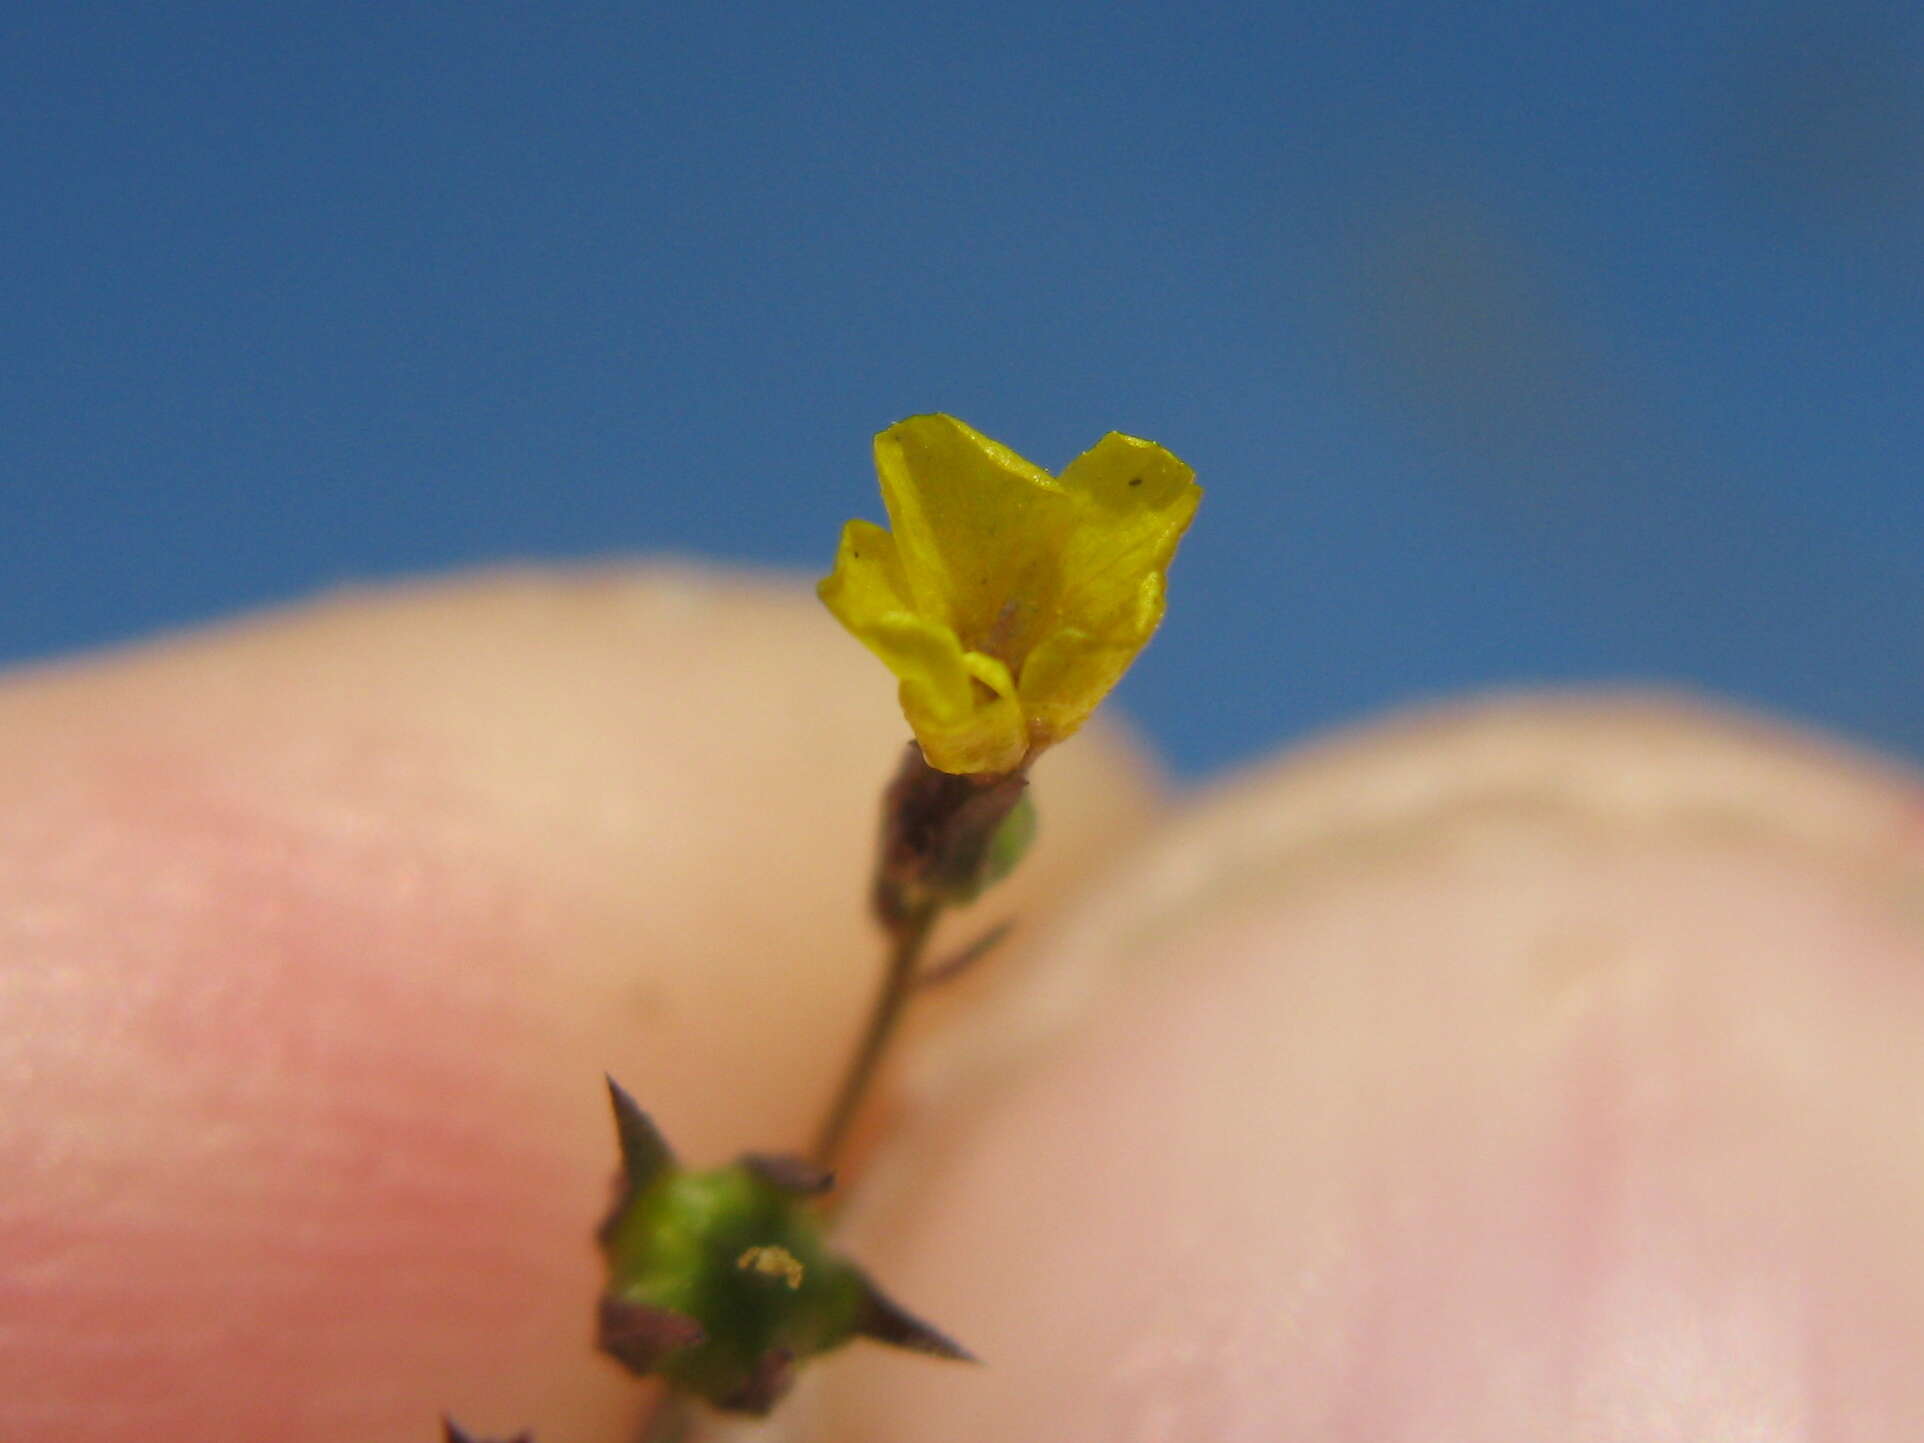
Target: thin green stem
[[909, 938]]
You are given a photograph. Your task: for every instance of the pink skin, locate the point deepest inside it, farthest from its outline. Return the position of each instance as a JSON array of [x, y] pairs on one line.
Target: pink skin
[[319, 936], [1546, 1071], [1543, 1071]]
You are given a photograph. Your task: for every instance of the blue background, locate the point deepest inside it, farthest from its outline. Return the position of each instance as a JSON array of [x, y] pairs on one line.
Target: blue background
[[1512, 341]]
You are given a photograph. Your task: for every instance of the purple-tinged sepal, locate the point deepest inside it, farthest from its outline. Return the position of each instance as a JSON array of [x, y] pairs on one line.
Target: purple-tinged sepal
[[886, 1321], [640, 1335], [791, 1174]]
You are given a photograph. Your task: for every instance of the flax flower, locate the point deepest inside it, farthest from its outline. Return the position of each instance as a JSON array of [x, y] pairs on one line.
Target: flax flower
[[1008, 601]]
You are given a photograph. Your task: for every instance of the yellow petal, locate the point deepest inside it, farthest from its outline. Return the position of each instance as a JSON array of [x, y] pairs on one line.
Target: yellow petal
[[995, 737], [868, 595], [1136, 502], [961, 705], [867, 582], [1071, 670], [937, 689], [980, 530]]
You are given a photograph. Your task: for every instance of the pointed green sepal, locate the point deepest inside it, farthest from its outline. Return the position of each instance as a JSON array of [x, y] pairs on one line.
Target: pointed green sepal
[[646, 1157], [887, 1321]]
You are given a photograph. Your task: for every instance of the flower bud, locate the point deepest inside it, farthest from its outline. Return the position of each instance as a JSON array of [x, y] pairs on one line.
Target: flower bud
[[722, 1282]]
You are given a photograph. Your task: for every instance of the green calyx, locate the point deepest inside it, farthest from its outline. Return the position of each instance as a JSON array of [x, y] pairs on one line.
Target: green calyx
[[945, 838], [1009, 843], [722, 1282]]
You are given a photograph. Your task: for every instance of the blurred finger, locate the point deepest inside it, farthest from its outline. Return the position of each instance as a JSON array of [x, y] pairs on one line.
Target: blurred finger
[[319, 933], [1547, 1071]]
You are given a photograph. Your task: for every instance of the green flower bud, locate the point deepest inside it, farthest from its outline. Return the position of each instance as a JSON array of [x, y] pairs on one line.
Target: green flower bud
[[722, 1282]]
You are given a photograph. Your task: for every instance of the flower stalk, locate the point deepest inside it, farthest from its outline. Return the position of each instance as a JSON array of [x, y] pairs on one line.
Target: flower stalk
[[944, 839], [908, 941], [1007, 602]]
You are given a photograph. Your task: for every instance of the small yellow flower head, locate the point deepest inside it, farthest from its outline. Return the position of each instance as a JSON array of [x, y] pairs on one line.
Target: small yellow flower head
[[1008, 601]]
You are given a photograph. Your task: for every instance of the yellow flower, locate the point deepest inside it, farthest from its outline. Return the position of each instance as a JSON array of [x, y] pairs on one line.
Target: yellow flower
[[1008, 601]]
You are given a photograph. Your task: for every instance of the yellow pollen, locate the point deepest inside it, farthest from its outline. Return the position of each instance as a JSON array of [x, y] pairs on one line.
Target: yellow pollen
[[772, 1261]]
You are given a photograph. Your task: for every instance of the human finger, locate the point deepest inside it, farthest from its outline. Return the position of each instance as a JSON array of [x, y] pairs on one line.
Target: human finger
[[1544, 1070], [319, 933]]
